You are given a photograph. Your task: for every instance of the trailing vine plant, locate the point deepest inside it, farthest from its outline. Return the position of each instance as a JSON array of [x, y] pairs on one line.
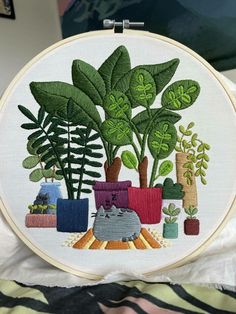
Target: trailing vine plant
[[189, 143]]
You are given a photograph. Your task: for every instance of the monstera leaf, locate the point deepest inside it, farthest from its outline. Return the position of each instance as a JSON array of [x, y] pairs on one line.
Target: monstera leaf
[[142, 88], [114, 67], [162, 140], [117, 105], [180, 95], [54, 98], [161, 73], [117, 132], [88, 79], [142, 120]]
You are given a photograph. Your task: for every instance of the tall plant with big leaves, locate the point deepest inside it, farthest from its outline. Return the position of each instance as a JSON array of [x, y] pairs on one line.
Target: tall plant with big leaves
[[152, 127], [117, 89]]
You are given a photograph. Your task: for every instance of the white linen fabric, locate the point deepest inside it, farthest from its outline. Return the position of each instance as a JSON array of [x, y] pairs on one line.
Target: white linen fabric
[[215, 266]]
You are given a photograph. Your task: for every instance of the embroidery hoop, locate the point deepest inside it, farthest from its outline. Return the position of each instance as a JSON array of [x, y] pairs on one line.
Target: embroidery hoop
[[3, 101]]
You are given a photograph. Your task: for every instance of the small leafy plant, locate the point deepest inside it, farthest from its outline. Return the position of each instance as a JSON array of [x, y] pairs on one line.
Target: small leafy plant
[[171, 190], [197, 150], [172, 212], [41, 208], [35, 160], [191, 211]]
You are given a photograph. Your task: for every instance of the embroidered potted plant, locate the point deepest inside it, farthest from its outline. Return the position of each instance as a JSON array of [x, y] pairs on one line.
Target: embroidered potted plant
[[151, 127], [171, 192], [191, 162], [108, 99], [191, 224], [73, 148], [50, 186], [40, 215], [170, 226]]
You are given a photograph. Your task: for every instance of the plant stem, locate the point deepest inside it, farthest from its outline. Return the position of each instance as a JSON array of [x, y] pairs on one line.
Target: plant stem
[[106, 151], [136, 152], [68, 159], [115, 151], [68, 186], [82, 165], [154, 171], [136, 132]]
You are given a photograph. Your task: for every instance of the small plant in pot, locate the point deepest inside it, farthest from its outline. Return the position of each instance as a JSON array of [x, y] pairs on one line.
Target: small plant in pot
[[71, 147], [40, 215], [51, 185], [191, 224], [170, 226]]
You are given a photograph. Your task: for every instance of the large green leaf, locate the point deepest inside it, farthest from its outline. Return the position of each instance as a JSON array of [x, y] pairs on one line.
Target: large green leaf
[[117, 105], [88, 79], [36, 175], [54, 97], [142, 119], [162, 140], [117, 132], [114, 67], [30, 162], [142, 88], [129, 160], [162, 74], [180, 94]]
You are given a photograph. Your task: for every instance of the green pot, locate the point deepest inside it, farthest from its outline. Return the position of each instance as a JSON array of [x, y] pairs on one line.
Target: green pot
[[170, 231]]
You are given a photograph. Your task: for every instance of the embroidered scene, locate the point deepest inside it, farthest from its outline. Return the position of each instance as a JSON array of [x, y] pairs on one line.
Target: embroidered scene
[[109, 120]]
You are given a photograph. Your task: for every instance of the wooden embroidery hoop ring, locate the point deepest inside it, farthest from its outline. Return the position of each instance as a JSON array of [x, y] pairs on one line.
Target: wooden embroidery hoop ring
[[39, 252]]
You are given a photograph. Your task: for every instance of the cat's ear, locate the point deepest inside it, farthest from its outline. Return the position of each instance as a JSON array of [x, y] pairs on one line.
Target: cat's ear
[[101, 209]]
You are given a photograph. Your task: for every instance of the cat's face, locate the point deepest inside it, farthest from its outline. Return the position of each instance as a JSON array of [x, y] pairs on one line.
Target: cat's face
[[112, 212]]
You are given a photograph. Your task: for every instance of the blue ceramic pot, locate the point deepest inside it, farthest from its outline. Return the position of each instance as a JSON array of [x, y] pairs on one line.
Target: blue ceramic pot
[[54, 192], [170, 231], [72, 215]]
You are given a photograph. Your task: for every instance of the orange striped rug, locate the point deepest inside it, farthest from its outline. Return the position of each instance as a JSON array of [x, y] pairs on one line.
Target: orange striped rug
[[144, 241]]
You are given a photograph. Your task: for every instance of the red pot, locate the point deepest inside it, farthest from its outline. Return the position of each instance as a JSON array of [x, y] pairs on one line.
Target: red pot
[[191, 226], [147, 203]]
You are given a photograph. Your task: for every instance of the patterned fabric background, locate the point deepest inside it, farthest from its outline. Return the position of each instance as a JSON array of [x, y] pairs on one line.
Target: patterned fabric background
[[206, 26], [115, 298]]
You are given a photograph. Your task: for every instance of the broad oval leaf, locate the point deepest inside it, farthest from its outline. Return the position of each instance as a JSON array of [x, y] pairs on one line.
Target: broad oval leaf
[[142, 88], [180, 95], [129, 160], [162, 140], [162, 74], [142, 120], [36, 175], [30, 149], [47, 173], [88, 79], [54, 97], [165, 168], [117, 132], [30, 162], [115, 67], [117, 105]]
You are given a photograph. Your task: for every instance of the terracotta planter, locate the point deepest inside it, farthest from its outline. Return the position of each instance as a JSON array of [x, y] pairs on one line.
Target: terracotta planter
[[147, 203], [72, 215], [170, 231], [191, 226], [40, 221], [111, 193]]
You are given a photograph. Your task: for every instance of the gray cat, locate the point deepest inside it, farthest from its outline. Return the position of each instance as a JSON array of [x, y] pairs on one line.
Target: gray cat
[[116, 224]]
